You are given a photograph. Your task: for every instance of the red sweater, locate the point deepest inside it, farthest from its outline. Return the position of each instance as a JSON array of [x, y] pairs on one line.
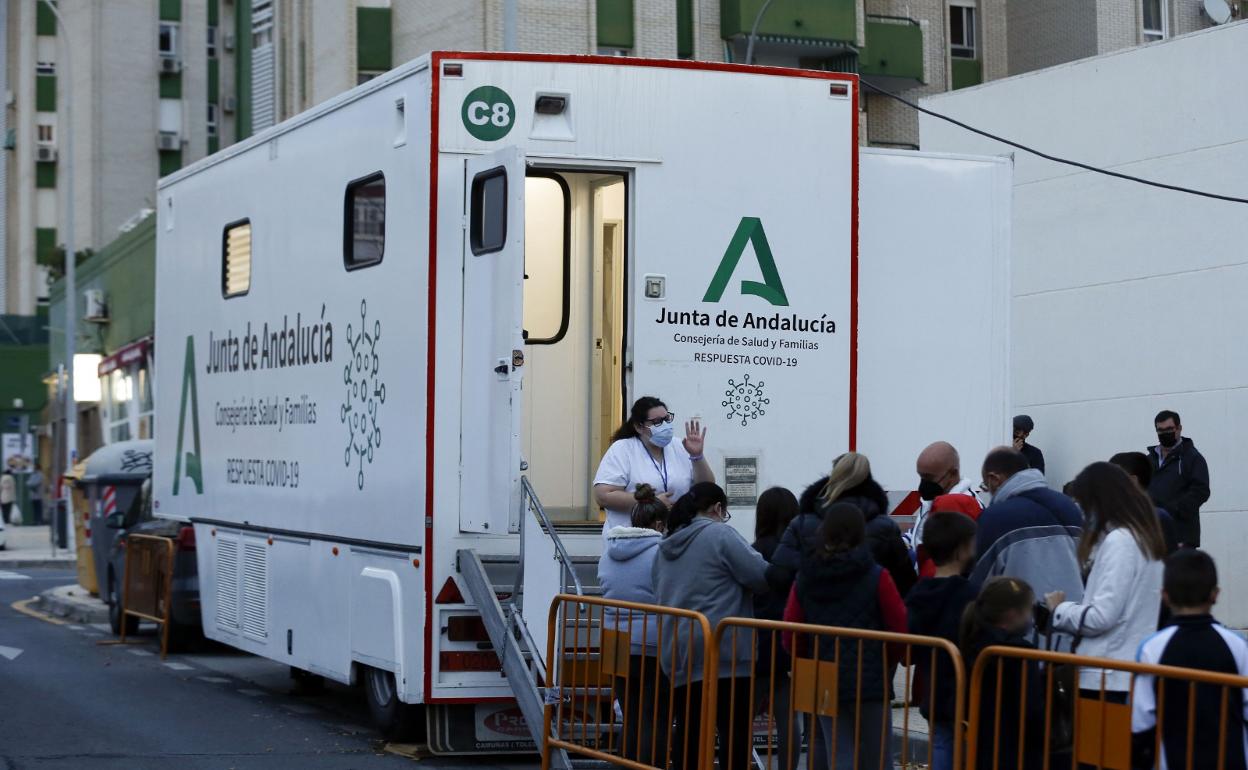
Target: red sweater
[[892, 612]]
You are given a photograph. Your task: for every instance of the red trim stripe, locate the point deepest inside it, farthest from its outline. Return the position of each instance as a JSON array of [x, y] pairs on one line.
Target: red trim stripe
[[431, 356]]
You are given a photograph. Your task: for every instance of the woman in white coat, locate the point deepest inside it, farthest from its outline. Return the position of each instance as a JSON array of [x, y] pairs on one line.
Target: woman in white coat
[[643, 451], [1122, 549]]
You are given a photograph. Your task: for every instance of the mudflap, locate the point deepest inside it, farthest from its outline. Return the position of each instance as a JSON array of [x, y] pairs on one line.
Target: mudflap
[[478, 728]]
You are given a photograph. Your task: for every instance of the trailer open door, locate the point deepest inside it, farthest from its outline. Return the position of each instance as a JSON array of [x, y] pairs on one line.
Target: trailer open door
[[493, 345]]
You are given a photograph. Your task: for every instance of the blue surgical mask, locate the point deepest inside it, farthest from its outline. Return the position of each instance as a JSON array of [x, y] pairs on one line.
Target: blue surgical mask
[[661, 434]]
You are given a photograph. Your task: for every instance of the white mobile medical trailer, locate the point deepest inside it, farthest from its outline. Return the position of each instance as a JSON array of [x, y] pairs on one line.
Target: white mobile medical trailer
[[375, 317]]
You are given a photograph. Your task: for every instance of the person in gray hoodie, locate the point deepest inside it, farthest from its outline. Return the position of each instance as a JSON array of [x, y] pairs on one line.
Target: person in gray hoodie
[[706, 566], [625, 573]]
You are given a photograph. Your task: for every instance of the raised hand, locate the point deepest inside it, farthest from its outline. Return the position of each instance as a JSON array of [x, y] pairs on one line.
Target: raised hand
[[695, 438]]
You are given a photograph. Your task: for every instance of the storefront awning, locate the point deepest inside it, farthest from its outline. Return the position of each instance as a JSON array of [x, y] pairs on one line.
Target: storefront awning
[[126, 355]]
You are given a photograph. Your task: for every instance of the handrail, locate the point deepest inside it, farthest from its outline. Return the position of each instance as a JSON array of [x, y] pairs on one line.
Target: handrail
[[527, 492]]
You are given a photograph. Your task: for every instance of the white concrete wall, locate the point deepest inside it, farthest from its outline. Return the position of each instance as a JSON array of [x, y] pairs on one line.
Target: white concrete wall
[[1129, 299]]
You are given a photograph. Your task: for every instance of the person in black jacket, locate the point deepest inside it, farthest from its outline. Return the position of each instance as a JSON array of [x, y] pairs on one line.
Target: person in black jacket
[[934, 608], [1180, 482], [1002, 615], [775, 509], [849, 482], [1023, 426]]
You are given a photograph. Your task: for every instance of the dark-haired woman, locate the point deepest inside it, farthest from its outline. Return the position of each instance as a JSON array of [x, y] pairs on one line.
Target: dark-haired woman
[[643, 451], [706, 566], [775, 509], [839, 584], [1121, 551]]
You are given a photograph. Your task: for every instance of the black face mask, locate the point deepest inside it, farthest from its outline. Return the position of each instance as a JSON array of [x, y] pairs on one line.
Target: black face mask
[[1167, 438], [930, 490]]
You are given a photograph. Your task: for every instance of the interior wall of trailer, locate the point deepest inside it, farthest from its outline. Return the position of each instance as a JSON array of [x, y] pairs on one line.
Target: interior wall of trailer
[[564, 385]]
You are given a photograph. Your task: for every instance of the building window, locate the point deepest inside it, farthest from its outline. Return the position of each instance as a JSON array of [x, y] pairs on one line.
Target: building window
[[214, 119], [45, 134], [45, 68], [1156, 20], [261, 23], [236, 259], [212, 42], [962, 32], [364, 233], [168, 40]]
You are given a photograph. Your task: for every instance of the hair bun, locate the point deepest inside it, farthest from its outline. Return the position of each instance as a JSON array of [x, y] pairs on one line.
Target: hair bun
[[645, 494]]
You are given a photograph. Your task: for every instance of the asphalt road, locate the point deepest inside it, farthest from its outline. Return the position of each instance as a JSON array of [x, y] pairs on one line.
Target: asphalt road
[[69, 701]]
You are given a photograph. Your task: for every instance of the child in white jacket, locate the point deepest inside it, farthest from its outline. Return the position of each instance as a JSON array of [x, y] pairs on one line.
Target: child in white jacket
[[1122, 550]]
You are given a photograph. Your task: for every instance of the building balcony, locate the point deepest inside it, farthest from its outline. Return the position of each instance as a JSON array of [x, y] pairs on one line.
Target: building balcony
[[966, 72], [801, 28], [893, 55]]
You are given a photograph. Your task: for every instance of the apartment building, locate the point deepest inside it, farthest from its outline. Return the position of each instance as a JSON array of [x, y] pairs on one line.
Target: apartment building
[[144, 86], [158, 84]]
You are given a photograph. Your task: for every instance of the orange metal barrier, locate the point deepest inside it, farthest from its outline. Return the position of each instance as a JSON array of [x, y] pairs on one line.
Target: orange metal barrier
[[1027, 711], [816, 674], [147, 585], [602, 652]]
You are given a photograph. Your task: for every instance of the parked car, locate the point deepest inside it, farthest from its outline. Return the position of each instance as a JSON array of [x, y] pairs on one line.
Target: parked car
[[138, 520]]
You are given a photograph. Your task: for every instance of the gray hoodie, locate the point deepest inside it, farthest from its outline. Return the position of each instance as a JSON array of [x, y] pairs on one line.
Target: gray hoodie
[[709, 568], [626, 574]]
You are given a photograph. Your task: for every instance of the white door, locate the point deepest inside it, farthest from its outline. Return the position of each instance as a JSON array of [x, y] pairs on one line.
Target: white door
[[493, 347]]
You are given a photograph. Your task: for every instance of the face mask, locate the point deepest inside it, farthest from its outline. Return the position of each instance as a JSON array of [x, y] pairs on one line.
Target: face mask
[[1167, 438], [930, 490], [661, 434]]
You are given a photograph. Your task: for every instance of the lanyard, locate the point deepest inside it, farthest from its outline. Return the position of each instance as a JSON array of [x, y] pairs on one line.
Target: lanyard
[[662, 473]]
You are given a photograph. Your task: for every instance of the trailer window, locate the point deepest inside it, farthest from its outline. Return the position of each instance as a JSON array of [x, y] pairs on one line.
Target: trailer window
[[364, 231], [236, 259], [488, 222], [547, 255]]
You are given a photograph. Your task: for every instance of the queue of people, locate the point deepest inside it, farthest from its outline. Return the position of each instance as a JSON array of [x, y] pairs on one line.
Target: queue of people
[[1082, 570]]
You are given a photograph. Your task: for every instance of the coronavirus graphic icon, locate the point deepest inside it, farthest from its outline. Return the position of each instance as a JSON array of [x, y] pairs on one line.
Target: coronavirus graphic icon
[[365, 394], [745, 400]]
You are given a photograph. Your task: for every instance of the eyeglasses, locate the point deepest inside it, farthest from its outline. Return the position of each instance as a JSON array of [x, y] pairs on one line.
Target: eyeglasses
[[657, 421]]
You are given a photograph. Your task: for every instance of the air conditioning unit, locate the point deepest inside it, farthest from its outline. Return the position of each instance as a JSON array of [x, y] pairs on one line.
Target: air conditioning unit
[[168, 140], [45, 154], [95, 309], [229, 104], [227, 41], [170, 65]]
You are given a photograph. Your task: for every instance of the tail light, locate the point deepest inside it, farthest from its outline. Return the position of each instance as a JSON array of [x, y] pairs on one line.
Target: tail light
[[186, 539]]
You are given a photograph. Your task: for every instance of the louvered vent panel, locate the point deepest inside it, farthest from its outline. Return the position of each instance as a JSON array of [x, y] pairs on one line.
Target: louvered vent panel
[[227, 584]]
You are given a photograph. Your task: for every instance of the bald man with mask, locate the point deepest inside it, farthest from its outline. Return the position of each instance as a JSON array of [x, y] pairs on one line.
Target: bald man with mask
[[940, 473]]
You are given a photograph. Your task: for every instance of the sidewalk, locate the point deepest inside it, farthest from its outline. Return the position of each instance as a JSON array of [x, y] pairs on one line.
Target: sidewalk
[[73, 603], [30, 547]]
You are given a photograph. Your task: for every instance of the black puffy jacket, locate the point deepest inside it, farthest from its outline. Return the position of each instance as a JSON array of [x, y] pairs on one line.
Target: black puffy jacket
[[883, 534]]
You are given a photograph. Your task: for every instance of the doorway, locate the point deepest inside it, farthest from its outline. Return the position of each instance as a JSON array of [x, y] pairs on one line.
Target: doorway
[[575, 270]]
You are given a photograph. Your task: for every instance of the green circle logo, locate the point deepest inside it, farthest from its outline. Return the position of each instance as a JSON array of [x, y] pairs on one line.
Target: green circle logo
[[488, 113]]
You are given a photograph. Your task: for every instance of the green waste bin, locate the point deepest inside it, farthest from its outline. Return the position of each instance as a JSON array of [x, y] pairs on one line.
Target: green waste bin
[[23, 500]]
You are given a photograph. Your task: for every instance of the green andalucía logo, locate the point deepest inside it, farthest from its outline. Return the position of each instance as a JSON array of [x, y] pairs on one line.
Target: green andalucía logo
[[193, 460], [771, 289], [488, 113]]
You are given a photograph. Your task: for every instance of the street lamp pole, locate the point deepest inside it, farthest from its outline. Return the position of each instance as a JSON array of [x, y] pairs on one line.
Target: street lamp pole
[[749, 48]]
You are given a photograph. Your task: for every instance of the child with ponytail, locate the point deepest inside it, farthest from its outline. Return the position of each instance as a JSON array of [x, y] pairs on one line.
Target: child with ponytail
[[1002, 616]]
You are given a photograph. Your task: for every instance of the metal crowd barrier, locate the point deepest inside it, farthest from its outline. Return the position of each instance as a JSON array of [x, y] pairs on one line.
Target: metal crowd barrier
[[1039, 717], [817, 696], [147, 583], [591, 667]]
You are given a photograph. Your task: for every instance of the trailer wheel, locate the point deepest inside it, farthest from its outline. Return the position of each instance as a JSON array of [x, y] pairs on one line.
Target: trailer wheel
[[394, 719]]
